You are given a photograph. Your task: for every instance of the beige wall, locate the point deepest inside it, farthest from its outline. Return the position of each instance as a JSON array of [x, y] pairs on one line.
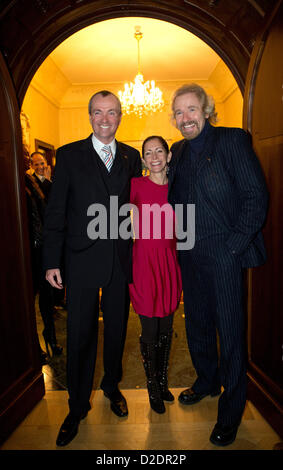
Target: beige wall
[[229, 103], [233, 109], [57, 110], [42, 104], [43, 118]]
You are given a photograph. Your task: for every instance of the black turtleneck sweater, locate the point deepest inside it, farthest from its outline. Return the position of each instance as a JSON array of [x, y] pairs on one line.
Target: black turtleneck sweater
[[197, 144], [184, 189]]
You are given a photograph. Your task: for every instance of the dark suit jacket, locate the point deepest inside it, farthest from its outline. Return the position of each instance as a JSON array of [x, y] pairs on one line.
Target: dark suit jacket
[[77, 184], [231, 185], [45, 185]]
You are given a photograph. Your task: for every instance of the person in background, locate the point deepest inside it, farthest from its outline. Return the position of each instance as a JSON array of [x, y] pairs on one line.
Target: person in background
[[216, 169], [41, 171], [156, 287], [36, 204]]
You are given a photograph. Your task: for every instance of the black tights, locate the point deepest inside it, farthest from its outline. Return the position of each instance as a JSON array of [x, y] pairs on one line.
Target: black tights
[[152, 328]]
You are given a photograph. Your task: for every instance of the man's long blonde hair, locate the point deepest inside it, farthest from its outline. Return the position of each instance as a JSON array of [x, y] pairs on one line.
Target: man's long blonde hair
[[208, 105]]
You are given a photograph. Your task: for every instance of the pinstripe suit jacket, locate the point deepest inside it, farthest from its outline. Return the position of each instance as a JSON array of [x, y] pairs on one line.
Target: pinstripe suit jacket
[[231, 186]]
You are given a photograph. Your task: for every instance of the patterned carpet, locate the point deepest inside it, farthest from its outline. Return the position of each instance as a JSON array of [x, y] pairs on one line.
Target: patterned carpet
[[181, 371]]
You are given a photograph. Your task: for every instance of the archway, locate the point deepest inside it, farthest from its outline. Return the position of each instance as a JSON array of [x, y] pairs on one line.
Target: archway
[[27, 35], [212, 26], [56, 100]]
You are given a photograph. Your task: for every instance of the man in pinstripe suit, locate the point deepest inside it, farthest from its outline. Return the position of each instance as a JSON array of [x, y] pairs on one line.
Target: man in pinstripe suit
[[215, 169]]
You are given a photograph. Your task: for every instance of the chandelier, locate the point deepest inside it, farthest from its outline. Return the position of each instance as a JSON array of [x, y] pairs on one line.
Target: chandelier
[[139, 97]]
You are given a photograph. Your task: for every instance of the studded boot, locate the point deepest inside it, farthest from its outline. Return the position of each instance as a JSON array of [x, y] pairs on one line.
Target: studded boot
[[163, 352], [149, 357]]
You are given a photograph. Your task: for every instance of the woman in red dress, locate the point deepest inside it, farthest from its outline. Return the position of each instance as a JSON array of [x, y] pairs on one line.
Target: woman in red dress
[[156, 287]]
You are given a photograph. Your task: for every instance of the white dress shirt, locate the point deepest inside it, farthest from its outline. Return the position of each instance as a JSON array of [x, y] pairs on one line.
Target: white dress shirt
[[97, 145], [42, 178]]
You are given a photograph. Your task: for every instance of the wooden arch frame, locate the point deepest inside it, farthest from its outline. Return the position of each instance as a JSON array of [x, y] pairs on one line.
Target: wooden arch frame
[[28, 33], [27, 59]]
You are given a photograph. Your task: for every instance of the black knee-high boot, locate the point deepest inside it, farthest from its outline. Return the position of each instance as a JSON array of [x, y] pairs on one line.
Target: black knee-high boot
[[163, 353], [149, 357], [49, 336], [45, 303]]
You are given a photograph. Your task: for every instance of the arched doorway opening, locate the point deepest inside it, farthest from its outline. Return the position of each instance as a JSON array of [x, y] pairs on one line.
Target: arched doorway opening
[[28, 34], [104, 56]]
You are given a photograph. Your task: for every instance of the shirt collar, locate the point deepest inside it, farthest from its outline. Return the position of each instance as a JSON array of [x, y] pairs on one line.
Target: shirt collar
[[40, 177], [97, 145]]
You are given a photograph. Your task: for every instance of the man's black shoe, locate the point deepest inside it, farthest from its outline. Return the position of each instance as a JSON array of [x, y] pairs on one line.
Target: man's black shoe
[[223, 435], [189, 397], [69, 429], [118, 403]]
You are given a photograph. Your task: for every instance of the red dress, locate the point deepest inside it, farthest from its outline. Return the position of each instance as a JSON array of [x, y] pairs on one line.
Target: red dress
[[156, 287]]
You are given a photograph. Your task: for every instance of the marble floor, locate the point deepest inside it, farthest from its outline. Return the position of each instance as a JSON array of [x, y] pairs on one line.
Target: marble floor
[[181, 370], [180, 428]]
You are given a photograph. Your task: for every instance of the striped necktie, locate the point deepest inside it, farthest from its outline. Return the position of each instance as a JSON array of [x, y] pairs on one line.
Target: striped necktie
[[107, 156]]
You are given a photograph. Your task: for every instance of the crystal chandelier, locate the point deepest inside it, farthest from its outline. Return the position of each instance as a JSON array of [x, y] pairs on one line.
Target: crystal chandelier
[[139, 97]]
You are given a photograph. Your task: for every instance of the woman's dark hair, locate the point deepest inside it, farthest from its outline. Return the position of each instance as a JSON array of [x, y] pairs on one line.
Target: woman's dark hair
[[161, 140]]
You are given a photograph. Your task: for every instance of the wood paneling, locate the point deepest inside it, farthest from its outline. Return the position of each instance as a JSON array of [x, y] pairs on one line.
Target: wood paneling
[[21, 382], [28, 33], [264, 118]]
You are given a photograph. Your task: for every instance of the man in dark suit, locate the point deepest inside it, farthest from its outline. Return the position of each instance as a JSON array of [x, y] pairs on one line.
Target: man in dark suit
[[41, 172], [216, 170], [87, 173], [38, 185]]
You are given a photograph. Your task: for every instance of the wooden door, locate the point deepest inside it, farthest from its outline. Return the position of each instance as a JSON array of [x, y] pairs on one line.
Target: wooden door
[[263, 117], [21, 380]]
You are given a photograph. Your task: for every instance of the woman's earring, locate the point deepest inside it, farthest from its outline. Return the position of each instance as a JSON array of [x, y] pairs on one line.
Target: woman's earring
[[144, 168]]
